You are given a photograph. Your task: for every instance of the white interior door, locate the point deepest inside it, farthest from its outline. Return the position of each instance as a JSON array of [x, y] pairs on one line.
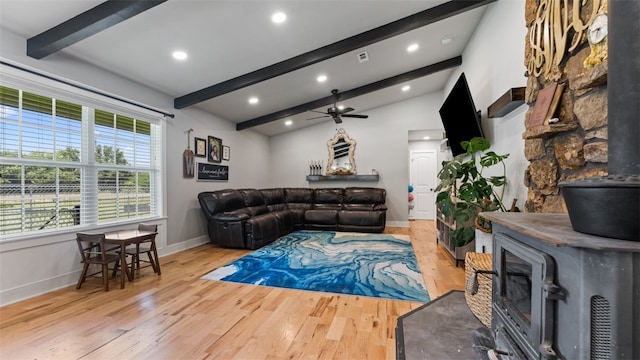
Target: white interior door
[[423, 178]]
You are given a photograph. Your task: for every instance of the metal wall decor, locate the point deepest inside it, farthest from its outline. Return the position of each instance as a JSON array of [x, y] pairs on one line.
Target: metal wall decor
[[549, 34], [341, 154], [187, 158]]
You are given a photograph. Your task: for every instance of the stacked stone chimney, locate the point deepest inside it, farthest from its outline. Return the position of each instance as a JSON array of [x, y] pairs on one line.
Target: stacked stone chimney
[[575, 147]]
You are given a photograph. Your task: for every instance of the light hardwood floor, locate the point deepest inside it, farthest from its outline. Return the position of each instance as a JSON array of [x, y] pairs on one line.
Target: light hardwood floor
[[179, 316]]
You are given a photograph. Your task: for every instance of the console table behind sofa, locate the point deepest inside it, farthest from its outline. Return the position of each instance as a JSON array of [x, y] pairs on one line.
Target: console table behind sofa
[[251, 218]]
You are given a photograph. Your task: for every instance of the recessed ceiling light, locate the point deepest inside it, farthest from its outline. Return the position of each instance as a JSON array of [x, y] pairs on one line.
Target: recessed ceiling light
[[179, 55], [288, 122], [412, 47], [426, 138], [321, 78], [406, 88], [279, 17], [446, 40], [253, 100]]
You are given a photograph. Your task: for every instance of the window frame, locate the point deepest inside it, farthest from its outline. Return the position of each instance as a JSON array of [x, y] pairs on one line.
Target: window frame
[[89, 102]]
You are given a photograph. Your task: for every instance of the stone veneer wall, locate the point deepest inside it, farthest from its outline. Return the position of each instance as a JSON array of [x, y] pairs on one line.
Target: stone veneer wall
[[576, 147]]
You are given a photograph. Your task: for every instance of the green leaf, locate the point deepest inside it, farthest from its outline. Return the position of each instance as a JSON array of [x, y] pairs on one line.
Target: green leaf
[[498, 180], [490, 158], [477, 144], [463, 236]]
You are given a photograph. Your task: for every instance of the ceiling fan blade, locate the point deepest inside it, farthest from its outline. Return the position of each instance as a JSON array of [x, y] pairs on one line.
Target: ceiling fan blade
[[318, 117], [356, 116], [337, 119], [316, 111], [346, 110]]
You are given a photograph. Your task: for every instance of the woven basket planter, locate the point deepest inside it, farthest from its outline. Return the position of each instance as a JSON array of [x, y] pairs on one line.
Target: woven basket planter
[[480, 302]]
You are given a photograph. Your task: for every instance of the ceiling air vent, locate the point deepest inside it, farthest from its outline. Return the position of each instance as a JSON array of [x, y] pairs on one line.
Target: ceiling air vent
[[363, 57]]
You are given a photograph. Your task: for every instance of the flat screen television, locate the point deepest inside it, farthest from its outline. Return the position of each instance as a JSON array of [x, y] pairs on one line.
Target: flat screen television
[[459, 116]]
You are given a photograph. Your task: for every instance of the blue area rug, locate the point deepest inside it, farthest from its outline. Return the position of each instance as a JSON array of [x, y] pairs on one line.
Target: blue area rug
[[377, 265]]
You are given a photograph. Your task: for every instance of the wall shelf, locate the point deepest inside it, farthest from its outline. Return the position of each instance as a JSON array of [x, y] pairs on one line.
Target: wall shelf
[[372, 177], [508, 102]]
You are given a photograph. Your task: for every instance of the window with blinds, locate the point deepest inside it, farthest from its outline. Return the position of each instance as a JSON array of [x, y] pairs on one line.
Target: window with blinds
[[64, 164]]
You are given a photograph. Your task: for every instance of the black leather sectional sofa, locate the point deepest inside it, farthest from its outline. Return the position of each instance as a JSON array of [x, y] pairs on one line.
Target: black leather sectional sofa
[[251, 218]]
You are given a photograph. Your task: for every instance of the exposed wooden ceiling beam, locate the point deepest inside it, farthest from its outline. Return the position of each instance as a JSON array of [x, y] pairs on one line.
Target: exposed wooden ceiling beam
[[88, 23], [355, 42], [328, 100]]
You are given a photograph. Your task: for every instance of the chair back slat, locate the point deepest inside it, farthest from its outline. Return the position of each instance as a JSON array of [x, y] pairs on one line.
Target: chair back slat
[[93, 250], [91, 246]]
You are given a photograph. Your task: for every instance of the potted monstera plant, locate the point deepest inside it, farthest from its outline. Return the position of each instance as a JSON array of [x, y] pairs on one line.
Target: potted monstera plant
[[465, 190]]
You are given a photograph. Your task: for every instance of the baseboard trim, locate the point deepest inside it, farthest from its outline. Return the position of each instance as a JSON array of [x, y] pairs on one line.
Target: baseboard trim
[[184, 245], [40, 287], [401, 224]]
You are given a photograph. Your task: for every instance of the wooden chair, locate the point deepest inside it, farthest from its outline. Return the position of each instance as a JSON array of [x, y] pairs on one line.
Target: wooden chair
[[94, 251], [147, 247]]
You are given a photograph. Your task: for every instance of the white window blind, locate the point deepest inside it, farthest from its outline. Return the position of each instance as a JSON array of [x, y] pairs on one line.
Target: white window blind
[[64, 164]]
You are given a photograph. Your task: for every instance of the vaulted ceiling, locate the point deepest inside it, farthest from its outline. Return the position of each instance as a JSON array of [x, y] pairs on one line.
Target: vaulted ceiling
[[235, 51]]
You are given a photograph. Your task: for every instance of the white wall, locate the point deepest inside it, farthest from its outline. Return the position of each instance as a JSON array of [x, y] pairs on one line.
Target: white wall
[[382, 142], [181, 224], [493, 62]]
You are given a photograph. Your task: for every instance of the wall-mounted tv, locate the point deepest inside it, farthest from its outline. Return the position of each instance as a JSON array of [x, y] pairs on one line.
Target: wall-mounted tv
[[459, 116]]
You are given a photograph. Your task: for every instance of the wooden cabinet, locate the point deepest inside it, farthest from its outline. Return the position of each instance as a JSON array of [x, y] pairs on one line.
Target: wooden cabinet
[[444, 226]]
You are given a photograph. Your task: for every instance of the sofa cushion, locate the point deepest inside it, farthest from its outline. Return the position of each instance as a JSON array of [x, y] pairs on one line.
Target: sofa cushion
[[253, 201], [274, 199], [327, 199], [303, 196], [321, 217], [298, 201], [361, 217], [363, 198]]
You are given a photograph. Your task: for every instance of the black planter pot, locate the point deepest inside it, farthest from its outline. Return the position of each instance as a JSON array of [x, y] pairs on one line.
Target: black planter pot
[[608, 206]]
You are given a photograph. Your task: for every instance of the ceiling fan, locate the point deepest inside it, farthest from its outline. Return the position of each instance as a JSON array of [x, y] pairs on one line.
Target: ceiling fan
[[335, 113]]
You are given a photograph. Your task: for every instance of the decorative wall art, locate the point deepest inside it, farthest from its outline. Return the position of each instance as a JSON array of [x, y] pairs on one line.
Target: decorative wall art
[[214, 150], [201, 147], [210, 172], [226, 153], [187, 158]]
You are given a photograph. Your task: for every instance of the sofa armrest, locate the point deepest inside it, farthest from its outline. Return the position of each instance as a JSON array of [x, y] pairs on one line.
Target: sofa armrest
[[380, 207], [228, 217]]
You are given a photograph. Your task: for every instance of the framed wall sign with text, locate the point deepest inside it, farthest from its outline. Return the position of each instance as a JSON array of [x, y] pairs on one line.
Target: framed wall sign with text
[[211, 172]]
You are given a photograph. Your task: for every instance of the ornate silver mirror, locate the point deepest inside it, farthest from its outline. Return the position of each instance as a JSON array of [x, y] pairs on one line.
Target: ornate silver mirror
[[341, 149]]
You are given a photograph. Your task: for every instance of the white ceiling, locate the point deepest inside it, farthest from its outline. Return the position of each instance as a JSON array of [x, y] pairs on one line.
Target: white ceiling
[[227, 39]]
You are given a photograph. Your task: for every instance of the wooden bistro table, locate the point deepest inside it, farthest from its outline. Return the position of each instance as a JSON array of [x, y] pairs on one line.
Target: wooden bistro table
[[125, 238]]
